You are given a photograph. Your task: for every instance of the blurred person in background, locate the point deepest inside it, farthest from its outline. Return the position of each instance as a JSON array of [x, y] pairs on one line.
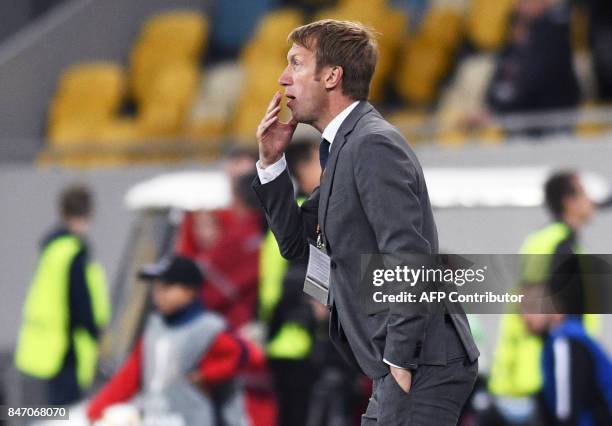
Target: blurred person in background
[[535, 70], [225, 243], [184, 365], [314, 386], [576, 370], [283, 306], [600, 36], [515, 374], [67, 306]]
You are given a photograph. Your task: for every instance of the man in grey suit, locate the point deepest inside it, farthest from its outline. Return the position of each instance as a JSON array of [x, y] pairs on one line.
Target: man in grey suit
[[372, 199]]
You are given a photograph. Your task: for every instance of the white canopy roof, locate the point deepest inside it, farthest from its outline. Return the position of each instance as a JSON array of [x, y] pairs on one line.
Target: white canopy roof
[[448, 187], [184, 190]]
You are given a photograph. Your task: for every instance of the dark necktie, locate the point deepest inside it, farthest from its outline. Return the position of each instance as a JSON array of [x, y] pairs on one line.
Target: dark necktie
[[323, 153]]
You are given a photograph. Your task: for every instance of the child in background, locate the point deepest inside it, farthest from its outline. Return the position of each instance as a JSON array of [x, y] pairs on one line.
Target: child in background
[[183, 367]]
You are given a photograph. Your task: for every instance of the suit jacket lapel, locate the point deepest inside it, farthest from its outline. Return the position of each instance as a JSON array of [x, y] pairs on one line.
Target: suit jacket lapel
[[341, 137]]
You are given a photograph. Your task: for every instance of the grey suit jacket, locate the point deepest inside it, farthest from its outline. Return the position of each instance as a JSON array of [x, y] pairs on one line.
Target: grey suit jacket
[[372, 199]]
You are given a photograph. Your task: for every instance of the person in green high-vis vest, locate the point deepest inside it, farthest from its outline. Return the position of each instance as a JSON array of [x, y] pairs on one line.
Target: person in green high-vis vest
[[516, 375], [67, 306], [285, 309]]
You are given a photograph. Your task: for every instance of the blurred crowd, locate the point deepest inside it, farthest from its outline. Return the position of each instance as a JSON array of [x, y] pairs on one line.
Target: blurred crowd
[[231, 338], [449, 71]]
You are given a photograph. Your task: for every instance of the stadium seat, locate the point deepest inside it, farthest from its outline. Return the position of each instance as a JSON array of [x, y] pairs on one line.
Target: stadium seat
[[163, 112], [215, 102], [165, 71], [487, 22], [165, 39], [579, 27], [88, 95], [427, 56], [424, 63], [412, 124], [259, 85], [261, 76], [390, 26], [184, 33], [443, 26], [271, 31]]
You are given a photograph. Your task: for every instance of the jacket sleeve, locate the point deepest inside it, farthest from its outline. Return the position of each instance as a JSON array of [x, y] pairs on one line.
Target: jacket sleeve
[[121, 387], [291, 224], [224, 359], [388, 186]]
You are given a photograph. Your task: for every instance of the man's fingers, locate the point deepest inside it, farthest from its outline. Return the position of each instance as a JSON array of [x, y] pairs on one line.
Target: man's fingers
[[269, 121], [275, 100], [266, 124], [272, 112], [402, 377], [291, 123]]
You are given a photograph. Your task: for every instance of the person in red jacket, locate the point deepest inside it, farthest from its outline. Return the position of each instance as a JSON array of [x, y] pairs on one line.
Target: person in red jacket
[[185, 362], [226, 245], [226, 242]]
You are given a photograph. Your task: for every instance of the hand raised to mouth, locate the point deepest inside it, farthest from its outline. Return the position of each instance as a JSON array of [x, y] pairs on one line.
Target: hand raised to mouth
[[274, 135]]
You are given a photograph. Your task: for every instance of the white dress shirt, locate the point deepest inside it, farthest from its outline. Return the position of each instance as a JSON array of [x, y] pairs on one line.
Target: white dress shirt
[[329, 134]]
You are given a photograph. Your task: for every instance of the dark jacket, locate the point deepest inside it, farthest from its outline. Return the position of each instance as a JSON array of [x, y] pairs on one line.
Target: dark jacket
[[372, 199], [538, 74]]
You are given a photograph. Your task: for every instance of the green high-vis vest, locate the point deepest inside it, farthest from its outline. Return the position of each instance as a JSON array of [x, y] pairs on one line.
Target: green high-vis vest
[[44, 336], [292, 341], [516, 369]]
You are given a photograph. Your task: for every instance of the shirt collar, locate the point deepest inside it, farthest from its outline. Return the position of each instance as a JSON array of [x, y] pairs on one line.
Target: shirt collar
[[185, 314], [329, 133]]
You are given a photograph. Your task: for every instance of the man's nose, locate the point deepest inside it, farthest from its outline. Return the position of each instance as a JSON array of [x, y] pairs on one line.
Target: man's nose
[[285, 78]]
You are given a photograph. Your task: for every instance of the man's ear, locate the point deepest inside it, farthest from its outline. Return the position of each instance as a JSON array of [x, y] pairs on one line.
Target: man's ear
[[333, 77]]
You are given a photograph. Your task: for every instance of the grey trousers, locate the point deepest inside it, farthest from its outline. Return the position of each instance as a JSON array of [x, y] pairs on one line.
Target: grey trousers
[[435, 398]]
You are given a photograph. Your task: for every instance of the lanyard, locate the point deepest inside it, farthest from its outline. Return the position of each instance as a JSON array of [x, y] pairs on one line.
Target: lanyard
[[320, 242]]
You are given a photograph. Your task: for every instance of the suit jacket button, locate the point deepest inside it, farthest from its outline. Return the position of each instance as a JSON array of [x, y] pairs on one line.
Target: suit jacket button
[[332, 264]]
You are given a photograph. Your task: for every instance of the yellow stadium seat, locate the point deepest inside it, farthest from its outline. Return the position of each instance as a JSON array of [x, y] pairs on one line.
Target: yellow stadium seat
[[90, 88], [411, 123], [453, 138], [181, 32], [206, 128], [487, 22], [88, 95], [423, 65], [259, 85], [389, 26], [165, 72], [277, 25], [588, 127], [121, 132], [166, 39], [66, 133], [146, 66], [267, 42], [213, 106], [175, 83], [443, 26], [579, 29], [491, 135], [105, 76], [161, 120], [393, 28]]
